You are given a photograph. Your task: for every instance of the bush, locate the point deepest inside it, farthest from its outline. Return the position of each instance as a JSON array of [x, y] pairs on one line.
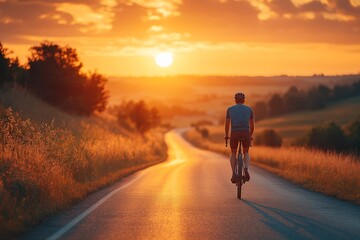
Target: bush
[[329, 136], [269, 138], [203, 131]]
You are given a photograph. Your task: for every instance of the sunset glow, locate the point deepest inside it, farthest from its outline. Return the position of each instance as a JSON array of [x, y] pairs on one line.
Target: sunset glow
[[249, 37]]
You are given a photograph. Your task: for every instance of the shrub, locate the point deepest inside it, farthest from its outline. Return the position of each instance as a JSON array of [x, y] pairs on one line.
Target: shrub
[[269, 138], [329, 136], [204, 132]]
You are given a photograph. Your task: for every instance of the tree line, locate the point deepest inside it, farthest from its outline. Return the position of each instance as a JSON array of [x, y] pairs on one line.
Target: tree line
[[54, 74], [296, 99]]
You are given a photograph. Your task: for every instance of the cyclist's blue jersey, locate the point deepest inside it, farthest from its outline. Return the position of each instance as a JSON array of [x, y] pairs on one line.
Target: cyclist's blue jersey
[[239, 115]]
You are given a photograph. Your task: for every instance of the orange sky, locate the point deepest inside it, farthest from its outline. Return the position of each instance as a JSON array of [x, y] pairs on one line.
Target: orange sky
[[230, 37]]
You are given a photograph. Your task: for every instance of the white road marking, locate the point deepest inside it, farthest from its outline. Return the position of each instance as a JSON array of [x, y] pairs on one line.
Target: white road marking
[[82, 215]]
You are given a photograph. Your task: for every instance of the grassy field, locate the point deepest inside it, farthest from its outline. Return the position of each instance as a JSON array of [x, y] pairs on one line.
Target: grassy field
[[333, 174], [49, 159]]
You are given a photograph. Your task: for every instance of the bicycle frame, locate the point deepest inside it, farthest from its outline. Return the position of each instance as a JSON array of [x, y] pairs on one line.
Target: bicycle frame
[[239, 169]]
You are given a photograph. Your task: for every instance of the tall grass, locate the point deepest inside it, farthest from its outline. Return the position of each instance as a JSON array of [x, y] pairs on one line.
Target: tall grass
[[45, 166], [327, 172]]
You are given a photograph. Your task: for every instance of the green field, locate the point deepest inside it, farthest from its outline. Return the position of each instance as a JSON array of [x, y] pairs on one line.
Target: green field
[[294, 125]]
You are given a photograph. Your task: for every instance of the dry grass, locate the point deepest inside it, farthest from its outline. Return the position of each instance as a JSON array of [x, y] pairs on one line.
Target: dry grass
[[44, 167], [333, 174]]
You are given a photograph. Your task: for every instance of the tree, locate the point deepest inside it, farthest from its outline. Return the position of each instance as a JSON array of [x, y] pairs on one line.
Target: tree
[[316, 100], [276, 105], [294, 99], [354, 135], [355, 87], [10, 69], [324, 91], [260, 110], [269, 138], [138, 116], [55, 76], [93, 98], [341, 92]]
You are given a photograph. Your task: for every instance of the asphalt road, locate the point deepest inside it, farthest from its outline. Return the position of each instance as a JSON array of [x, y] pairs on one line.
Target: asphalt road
[[191, 197]]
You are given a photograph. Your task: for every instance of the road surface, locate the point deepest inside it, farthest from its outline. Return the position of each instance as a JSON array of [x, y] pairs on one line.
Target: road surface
[[190, 197]]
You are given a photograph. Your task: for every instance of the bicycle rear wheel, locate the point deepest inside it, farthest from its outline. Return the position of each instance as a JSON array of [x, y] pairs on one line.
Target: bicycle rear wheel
[[239, 178]]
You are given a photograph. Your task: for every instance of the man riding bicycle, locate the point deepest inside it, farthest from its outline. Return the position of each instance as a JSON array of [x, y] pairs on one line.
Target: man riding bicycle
[[242, 129]]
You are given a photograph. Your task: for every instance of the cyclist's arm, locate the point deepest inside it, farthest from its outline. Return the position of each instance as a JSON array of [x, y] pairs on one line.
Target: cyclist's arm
[[252, 126], [227, 123], [227, 127]]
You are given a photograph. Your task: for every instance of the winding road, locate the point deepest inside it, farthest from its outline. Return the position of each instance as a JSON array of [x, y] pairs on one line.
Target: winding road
[[190, 197]]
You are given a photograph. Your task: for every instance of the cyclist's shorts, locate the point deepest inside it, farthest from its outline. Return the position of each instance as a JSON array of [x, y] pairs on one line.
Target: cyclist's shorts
[[237, 136]]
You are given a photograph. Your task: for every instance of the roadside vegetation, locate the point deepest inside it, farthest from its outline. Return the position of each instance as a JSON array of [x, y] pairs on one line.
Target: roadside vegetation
[[334, 174], [58, 142]]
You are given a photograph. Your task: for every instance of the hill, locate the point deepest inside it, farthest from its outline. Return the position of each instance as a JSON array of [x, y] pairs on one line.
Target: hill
[[294, 125]]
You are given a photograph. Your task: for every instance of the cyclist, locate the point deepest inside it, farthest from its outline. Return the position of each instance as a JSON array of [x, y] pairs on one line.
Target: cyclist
[[241, 118]]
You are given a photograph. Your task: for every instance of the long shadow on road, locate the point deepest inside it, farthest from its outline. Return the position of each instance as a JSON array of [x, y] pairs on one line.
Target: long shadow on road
[[294, 226]]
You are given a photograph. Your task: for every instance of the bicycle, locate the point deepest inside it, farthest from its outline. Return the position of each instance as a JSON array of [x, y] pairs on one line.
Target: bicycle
[[239, 168]]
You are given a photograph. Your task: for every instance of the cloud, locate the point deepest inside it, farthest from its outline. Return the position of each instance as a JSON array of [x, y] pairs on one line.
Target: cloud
[[158, 9], [173, 22], [91, 20]]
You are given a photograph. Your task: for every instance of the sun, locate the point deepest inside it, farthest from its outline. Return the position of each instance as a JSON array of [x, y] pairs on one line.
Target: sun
[[164, 59]]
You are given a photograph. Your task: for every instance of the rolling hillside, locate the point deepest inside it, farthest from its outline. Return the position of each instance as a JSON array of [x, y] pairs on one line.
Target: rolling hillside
[[291, 126]]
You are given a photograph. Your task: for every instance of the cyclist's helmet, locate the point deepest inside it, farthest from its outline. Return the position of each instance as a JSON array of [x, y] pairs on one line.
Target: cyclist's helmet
[[239, 96]]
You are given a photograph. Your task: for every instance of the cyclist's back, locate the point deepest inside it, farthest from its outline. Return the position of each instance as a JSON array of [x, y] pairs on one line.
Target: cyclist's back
[[239, 116]]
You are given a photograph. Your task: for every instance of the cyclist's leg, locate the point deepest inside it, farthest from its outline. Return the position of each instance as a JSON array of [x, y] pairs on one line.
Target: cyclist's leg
[[234, 140], [233, 159], [246, 145], [246, 157]]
